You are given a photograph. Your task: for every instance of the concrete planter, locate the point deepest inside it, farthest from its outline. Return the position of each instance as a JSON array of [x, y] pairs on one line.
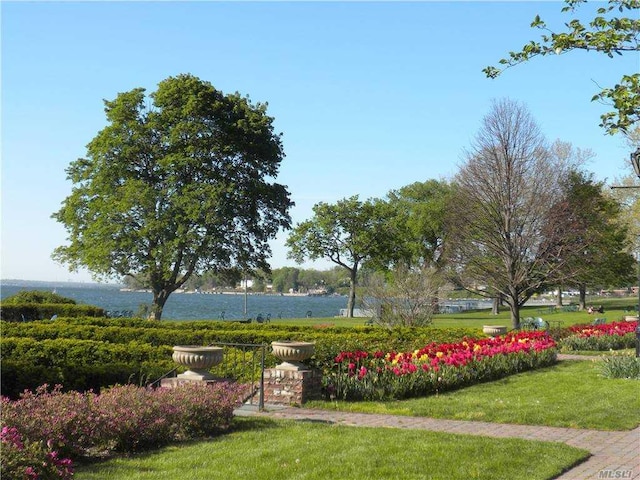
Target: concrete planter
[[292, 353], [494, 330], [198, 360]]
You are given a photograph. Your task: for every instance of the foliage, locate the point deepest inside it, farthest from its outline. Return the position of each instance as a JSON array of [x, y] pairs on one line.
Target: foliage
[[348, 233], [621, 366], [595, 241], [28, 459], [406, 297], [362, 375], [421, 209], [606, 329], [83, 354], [36, 296], [78, 364], [40, 311], [501, 237], [609, 336], [606, 34], [177, 183], [122, 418]]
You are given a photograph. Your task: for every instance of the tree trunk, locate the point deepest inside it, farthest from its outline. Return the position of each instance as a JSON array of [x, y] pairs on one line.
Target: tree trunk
[[559, 297], [583, 296], [495, 309], [351, 303], [514, 308], [159, 299]]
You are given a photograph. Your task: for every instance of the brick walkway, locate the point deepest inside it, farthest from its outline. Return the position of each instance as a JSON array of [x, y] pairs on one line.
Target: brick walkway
[[613, 454]]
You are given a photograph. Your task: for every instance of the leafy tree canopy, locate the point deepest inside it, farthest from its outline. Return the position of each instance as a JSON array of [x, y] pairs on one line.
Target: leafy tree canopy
[[594, 253], [348, 233], [421, 209], [605, 33], [37, 296], [179, 182]]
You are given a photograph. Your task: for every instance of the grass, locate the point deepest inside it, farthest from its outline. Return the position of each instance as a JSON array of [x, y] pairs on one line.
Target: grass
[[615, 310], [268, 449], [569, 394], [600, 353]]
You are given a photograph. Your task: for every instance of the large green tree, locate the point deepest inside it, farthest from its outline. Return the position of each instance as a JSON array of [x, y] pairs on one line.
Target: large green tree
[[177, 183], [421, 212], [594, 249], [348, 233], [606, 33]]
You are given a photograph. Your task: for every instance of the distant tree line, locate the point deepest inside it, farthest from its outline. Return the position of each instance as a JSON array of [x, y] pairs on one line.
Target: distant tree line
[[279, 280]]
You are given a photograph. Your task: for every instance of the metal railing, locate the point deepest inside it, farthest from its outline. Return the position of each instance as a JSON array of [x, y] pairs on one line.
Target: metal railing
[[241, 362]]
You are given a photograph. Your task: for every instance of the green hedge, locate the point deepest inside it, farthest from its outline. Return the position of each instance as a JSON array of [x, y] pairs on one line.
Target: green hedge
[[78, 364], [40, 311], [36, 296], [69, 351], [89, 353], [18, 376]]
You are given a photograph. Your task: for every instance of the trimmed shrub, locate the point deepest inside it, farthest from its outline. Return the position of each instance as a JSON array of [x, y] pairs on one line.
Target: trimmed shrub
[[122, 418], [30, 312], [36, 296]]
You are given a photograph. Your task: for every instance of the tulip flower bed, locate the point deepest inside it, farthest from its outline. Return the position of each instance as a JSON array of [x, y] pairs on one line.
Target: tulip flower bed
[[360, 375], [609, 336], [74, 425]]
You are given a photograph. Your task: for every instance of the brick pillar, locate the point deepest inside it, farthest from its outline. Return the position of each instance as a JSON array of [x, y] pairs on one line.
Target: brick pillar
[[291, 387]]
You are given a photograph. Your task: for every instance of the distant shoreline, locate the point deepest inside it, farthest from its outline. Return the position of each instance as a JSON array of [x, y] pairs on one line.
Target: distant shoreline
[[236, 292]]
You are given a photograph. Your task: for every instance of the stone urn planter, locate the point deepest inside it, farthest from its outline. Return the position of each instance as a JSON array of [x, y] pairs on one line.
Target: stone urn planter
[[494, 330], [197, 359], [292, 353]]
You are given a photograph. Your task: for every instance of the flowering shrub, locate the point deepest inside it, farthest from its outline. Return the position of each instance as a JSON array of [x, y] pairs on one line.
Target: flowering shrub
[[436, 367], [609, 336], [23, 459], [122, 418]]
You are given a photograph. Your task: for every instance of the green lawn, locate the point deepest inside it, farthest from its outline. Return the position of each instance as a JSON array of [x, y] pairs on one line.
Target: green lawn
[[614, 311], [569, 394], [263, 449]]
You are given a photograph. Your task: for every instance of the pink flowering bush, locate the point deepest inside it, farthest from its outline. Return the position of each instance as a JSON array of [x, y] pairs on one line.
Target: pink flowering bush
[[24, 459], [609, 336], [122, 418], [436, 367], [69, 421]]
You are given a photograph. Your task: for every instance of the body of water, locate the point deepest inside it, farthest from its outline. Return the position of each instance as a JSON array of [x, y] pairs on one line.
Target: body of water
[[189, 306], [201, 306]]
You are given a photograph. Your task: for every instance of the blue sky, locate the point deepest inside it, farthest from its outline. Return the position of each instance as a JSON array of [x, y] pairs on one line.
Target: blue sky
[[369, 96]]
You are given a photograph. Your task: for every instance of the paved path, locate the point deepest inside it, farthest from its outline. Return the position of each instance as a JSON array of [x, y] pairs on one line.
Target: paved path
[[613, 454]]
